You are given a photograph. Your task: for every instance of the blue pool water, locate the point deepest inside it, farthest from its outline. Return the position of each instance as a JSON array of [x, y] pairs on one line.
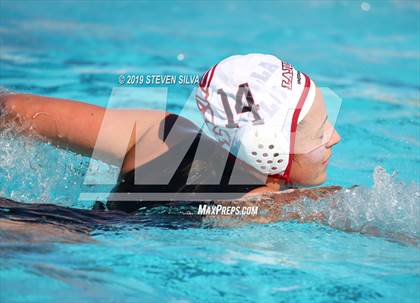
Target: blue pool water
[[368, 53]]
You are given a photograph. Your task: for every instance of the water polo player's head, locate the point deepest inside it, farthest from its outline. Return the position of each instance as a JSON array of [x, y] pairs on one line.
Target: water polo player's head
[[269, 115]]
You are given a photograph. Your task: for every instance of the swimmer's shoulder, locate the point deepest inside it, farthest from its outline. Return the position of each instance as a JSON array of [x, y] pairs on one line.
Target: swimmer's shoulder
[[165, 131]]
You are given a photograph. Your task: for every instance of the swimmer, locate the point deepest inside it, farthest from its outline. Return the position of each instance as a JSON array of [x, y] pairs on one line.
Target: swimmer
[[268, 120]]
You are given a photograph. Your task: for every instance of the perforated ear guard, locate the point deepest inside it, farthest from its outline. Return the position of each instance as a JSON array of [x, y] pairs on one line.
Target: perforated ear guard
[[262, 146]]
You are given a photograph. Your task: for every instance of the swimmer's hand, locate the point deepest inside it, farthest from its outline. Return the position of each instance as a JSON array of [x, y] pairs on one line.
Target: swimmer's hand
[[2, 110]]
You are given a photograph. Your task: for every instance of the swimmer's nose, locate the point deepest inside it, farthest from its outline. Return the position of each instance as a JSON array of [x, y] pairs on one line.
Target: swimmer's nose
[[334, 137]]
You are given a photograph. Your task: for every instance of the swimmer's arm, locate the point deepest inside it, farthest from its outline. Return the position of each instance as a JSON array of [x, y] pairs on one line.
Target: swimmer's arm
[[270, 205], [72, 124]]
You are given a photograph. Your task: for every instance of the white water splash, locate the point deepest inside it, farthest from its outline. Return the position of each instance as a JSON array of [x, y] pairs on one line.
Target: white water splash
[[389, 209], [33, 171]]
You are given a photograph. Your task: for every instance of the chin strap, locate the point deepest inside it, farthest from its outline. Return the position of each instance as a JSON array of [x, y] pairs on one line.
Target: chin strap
[[284, 177], [286, 174]]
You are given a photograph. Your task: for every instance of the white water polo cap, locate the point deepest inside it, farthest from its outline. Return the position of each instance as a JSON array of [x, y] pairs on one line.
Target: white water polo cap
[[252, 105]]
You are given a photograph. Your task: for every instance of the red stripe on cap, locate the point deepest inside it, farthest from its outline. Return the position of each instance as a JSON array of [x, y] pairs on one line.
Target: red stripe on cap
[[204, 79], [211, 78], [286, 174], [204, 86]]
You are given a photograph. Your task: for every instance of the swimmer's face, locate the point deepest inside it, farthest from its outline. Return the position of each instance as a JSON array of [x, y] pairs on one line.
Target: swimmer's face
[[315, 137]]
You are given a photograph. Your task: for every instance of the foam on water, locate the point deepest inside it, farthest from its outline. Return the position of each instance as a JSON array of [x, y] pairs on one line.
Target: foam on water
[[36, 171], [390, 208]]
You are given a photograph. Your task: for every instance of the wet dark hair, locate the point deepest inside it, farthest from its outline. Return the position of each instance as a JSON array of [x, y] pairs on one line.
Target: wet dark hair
[[199, 169]]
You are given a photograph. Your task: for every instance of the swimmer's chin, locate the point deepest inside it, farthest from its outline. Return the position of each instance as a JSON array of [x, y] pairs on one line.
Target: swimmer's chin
[[319, 180]]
